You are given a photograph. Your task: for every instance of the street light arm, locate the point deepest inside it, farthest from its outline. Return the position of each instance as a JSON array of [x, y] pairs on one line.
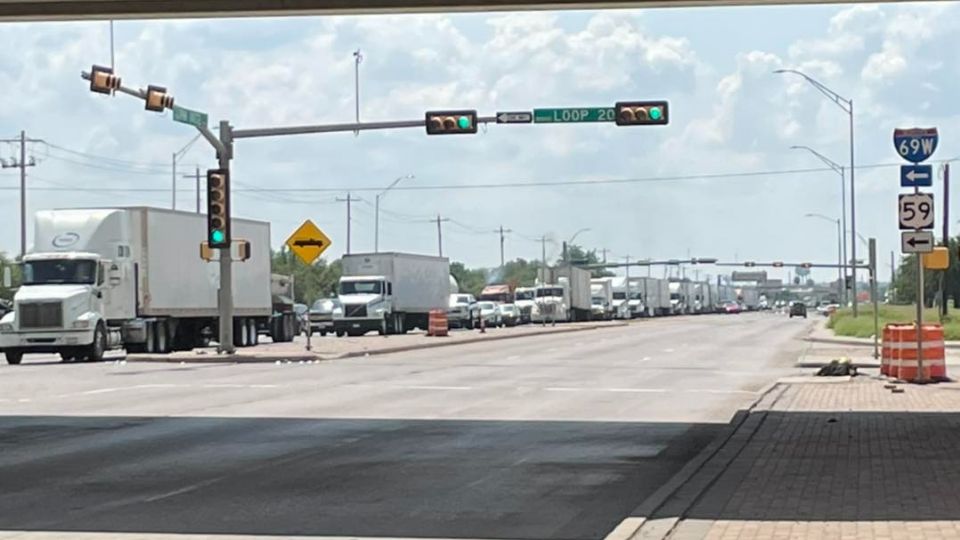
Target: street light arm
[[832, 164], [394, 184], [821, 216], [842, 102]]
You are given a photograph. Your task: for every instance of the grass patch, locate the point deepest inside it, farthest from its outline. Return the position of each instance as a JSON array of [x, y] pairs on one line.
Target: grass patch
[[843, 323]]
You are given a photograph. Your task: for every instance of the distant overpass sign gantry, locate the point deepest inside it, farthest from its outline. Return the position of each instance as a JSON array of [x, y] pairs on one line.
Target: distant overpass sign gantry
[[39, 10]]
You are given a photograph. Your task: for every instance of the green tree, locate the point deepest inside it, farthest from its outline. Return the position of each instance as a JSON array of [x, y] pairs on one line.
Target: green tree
[[905, 281], [471, 281], [519, 273], [311, 282], [5, 262], [579, 255]]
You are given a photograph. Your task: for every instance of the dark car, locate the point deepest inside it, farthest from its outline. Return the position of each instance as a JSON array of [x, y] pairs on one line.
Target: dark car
[[798, 309]]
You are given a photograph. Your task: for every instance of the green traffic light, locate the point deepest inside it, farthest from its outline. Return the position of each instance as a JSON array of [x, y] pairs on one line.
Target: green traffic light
[[656, 113], [216, 236], [463, 122]]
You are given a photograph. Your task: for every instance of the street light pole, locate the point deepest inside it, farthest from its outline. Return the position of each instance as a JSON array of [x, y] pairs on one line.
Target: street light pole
[[376, 218], [847, 106], [839, 169], [840, 263]]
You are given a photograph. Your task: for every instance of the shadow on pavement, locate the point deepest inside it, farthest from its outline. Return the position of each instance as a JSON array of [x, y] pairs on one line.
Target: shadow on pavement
[[362, 477]]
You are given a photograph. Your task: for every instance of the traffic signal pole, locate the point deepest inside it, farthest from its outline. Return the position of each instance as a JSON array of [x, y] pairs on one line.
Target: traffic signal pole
[[225, 299]]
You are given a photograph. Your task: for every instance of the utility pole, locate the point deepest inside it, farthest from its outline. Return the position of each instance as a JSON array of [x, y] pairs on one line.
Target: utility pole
[[626, 299], [946, 236], [195, 176], [357, 59], [604, 251], [21, 164], [893, 278], [502, 231], [348, 200], [440, 234]]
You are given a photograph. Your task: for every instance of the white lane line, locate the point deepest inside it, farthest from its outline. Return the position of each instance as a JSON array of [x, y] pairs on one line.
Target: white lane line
[[668, 350], [513, 357], [225, 385], [649, 390], [646, 358], [414, 387]]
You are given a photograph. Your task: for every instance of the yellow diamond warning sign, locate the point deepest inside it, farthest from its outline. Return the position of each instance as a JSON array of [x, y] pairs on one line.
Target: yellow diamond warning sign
[[308, 242]]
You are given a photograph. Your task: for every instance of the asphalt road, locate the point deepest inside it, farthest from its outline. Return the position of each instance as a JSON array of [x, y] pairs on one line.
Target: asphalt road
[[554, 437]]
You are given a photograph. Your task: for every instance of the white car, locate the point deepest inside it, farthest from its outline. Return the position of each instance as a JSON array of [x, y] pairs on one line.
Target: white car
[[462, 311], [510, 314], [490, 313]]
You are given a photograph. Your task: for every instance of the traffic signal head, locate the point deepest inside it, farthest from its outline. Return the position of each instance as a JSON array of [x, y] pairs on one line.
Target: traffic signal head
[[103, 81], [642, 113], [157, 99], [218, 208], [778, 264], [805, 265], [451, 122], [749, 264]]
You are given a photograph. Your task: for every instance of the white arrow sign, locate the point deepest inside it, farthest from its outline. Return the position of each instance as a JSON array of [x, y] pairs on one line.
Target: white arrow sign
[[521, 117], [916, 241], [913, 175]]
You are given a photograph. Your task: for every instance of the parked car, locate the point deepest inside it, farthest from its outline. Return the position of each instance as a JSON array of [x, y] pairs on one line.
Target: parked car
[[732, 307], [490, 313], [510, 314], [462, 311], [322, 314], [798, 309]]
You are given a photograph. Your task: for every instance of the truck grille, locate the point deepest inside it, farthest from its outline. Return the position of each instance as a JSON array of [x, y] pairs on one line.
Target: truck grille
[[355, 311], [40, 315]]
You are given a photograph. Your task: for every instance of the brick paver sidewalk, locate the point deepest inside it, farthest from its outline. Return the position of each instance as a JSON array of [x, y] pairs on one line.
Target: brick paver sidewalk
[[844, 461]]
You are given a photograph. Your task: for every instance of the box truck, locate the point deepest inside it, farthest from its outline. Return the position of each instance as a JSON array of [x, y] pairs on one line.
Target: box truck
[[390, 293], [108, 278], [575, 283], [601, 298]]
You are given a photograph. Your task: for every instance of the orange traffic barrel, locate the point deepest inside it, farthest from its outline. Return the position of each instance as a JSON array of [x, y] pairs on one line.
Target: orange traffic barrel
[[437, 323], [934, 354], [886, 350]]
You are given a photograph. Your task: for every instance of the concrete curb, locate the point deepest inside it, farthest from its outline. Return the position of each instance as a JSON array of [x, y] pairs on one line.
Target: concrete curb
[[857, 343], [639, 520], [270, 358], [468, 341]]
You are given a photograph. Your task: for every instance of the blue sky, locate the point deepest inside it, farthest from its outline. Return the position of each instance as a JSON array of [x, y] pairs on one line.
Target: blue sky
[[729, 115]]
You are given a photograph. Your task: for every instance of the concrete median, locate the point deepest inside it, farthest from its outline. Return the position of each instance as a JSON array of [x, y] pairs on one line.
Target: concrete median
[[330, 348]]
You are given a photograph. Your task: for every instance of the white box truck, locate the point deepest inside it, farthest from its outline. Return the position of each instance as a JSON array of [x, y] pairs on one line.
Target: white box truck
[[621, 307], [109, 278], [601, 298], [576, 284], [391, 292]]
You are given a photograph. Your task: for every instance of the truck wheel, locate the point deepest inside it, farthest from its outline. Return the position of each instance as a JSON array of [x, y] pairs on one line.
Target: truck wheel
[[99, 345], [340, 333], [163, 340], [252, 332], [150, 330], [13, 358]]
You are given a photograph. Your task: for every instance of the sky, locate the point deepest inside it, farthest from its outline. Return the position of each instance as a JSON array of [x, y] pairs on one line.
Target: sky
[[719, 181]]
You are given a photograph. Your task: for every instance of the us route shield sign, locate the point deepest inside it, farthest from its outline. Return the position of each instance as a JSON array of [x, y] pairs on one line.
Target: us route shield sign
[[308, 242]]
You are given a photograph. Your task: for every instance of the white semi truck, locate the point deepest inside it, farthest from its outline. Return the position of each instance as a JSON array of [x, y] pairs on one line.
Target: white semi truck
[[391, 293], [575, 283], [110, 278], [601, 298]]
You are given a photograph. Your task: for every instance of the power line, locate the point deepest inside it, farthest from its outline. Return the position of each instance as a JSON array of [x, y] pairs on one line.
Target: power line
[[601, 181], [88, 155]]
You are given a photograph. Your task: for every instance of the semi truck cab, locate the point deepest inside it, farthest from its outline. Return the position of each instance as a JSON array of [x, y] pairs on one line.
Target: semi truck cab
[[366, 302], [63, 306]]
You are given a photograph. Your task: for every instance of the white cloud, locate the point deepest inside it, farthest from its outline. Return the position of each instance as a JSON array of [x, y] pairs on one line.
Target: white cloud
[[297, 71]]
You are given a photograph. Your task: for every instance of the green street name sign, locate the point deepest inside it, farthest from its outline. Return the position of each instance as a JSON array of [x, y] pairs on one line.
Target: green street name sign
[[574, 114], [186, 116]]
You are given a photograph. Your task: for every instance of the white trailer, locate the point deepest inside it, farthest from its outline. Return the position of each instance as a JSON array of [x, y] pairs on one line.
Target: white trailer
[[655, 296], [749, 297], [391, 292], [105, 278]]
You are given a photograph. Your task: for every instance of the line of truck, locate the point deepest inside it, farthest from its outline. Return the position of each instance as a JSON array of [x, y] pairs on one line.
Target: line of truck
[[130, 278]]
